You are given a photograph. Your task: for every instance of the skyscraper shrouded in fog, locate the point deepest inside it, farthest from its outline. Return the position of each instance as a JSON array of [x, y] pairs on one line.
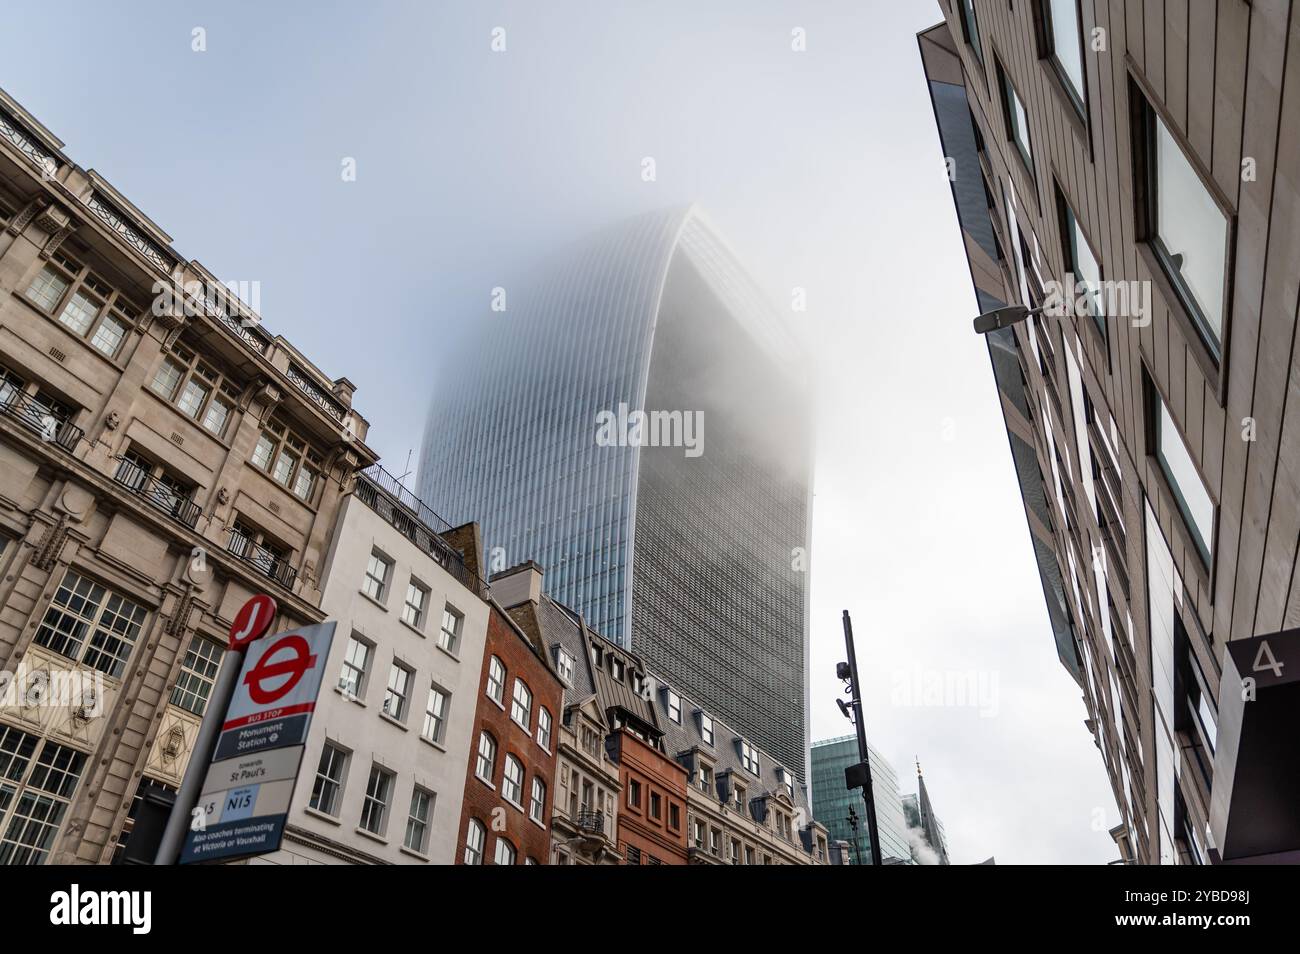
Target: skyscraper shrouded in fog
[[683, 533]]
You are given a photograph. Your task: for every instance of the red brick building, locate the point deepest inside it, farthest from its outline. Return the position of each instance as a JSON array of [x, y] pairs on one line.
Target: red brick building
[[652, 817], [506, 815]]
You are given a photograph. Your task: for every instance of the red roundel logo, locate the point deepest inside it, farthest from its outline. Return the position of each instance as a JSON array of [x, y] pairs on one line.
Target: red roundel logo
[[252, 621], [280, 669]]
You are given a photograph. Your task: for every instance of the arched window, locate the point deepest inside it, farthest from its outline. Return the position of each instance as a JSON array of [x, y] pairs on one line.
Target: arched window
[[475, 838], [505, 852]]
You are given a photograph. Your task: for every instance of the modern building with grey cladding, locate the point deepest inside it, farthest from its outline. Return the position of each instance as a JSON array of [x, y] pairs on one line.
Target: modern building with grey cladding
[[692, 551], [1131, 169]]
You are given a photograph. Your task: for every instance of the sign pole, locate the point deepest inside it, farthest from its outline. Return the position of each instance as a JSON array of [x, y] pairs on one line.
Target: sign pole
[[252, 622], [864, 753], [169, 849]]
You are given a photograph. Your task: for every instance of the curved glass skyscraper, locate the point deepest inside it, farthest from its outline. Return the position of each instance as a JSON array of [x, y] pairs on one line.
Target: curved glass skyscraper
[[683, 533]]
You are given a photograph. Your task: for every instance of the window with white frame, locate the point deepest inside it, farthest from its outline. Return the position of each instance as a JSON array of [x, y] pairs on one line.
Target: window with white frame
[[544, 728], [34, 795], [84, 304], [435, 714], [512, 780], [521, 704], [787, 781], [475, 837], [706, 728], [485, 763], [51, 282], [287, 458], [330, 772], [196, 389], [449, 635], [496, 681], [564, 664], [375, 583], [374, 807], [706, 777], [90, 622], [417, 597], [674, 707], [356, 662], [198, 675], [417, 821], [749, 757], [505, 852], [399, 687], [537, 803]]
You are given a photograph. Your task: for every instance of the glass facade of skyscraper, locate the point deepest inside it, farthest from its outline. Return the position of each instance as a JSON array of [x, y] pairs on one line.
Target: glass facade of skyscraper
[[693, 549], [831, 801]]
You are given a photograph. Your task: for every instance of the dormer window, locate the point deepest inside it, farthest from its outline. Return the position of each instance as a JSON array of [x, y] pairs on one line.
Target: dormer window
[[787, 780], [738, 797], [597, 657], [706, 728], [706, 778], [674, 707], [749, 757], [617, 669], [564, 664]]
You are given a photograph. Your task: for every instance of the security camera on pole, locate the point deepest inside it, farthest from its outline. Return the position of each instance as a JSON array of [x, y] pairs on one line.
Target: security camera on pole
[[858, 775]]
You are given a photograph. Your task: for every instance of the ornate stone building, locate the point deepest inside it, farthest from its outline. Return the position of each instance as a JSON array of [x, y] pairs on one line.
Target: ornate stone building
[[162, 458]]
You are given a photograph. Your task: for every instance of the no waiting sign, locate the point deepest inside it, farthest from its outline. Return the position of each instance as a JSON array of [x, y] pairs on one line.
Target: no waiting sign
[[247, 791]]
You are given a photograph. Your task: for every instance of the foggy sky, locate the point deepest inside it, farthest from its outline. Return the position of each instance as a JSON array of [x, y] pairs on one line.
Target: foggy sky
[[823, 170]]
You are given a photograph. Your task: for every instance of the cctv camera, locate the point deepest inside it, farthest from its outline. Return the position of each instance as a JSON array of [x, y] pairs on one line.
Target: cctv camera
[[842, 670]]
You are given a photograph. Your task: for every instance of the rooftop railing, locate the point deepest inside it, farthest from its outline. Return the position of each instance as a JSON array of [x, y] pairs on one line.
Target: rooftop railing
[[381, 492]]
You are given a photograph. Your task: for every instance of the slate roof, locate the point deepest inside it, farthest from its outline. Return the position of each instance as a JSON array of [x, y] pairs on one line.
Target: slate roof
[[557, 625], [725, 752]]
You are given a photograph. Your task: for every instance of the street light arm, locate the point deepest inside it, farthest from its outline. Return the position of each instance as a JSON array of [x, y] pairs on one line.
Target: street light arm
[[1004, 318]]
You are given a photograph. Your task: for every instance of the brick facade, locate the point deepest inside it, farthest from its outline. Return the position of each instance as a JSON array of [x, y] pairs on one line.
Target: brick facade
[[486, 804], [650, 778]]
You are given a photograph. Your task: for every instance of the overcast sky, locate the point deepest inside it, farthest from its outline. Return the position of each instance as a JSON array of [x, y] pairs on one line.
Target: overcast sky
[[821, 167]]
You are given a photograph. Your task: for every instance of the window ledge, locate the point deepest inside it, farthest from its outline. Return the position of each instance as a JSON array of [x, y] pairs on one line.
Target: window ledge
[[354, 699], [1187, 326], [437, 745], [443, 649], [415, 629], [371, 835], [394, 721], [370, 599], [413, 853], [317, 813]]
